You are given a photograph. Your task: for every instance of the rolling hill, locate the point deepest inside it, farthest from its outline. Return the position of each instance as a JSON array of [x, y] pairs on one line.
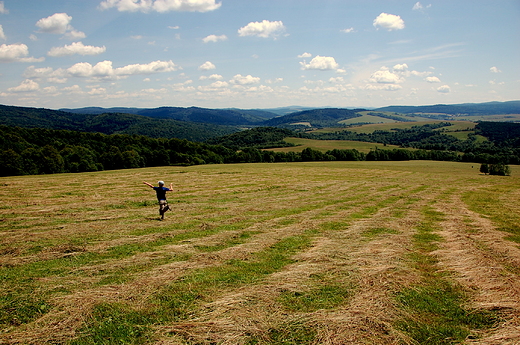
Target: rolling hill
[[111, 123]]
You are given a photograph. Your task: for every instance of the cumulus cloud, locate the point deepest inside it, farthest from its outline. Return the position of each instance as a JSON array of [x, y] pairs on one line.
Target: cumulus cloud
[[206, 66], [2, 35], [214, 38], [444, 89], [305, 55], [389, 22], [16, 53], [244, 80], [75, 35], [212, 77], [322, 63], [216, 86], [26, 86], [59, 23], [400, 67], [161, 5], [495, 70], [433, 80], [264, 29], [76, 48], [384, 76], [3, 10], [104, 69]]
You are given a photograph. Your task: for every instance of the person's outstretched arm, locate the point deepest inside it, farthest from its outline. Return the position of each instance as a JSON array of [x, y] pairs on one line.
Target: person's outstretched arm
[[148, 184], [171, 186]]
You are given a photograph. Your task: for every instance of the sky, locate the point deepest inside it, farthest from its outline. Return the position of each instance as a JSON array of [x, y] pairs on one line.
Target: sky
[[257, 53]]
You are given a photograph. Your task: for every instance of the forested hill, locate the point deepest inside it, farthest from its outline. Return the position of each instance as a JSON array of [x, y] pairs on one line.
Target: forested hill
[[328, 117], [470, 109], [228, 117], [111, 123]]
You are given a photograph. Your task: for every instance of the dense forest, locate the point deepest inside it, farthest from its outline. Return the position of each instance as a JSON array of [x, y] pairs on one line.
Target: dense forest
[[113, 123], [45, 151]]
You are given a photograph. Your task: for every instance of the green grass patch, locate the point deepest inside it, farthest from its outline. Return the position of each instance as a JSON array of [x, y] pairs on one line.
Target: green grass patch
[[435, 306], [180, 300], [114, 324], [374, 232], [233, 241], [288, 333], [500, 205], [437, 315]]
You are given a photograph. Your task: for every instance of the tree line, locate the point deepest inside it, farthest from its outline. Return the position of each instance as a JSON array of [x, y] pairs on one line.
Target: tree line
[[29, 151], [503, 145]]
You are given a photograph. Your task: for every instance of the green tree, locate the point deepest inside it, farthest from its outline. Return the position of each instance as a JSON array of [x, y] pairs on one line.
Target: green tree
[[11, 163], [484, 168]]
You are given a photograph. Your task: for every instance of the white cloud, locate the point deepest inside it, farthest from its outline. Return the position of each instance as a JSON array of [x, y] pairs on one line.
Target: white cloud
[[72, 89], [2, 35], [16, 53], [161, 5], [322, 63], [389, 22], [104, 69], [206, 66], [244, 80], [264, 29], [305, 55], [419, 7], [26, 86], [400, 67], [76, 48], [216, 86], [348, 31], [274, 81], [212, 77], [433, 80], [495, 70], [214, 38], [3, 10], [75, 35], [58, 23], [384, 76], [444, 89]]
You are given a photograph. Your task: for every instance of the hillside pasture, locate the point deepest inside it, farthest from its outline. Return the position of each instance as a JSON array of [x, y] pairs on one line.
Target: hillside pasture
[[417, 252], [326, 145]]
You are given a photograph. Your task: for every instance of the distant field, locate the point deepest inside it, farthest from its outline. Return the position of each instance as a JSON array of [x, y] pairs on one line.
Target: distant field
[[367, 119], [503, 117], [416, 252], [326, 145]]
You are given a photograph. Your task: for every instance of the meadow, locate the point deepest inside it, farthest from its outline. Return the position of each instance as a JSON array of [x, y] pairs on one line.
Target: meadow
[[417, 252]]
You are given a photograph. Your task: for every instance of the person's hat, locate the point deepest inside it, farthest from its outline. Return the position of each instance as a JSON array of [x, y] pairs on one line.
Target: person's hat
[[161, 183]]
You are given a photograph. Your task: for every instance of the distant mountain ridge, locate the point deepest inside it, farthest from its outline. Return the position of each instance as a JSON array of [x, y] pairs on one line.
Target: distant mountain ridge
[[227, 117], [470, 109], [200, 124]]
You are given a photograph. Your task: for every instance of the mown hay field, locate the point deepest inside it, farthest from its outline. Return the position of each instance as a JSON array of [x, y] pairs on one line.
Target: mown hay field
[[414, 252]]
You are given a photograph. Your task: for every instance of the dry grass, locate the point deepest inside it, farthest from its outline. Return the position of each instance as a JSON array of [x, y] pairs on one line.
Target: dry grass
[[303, 253]]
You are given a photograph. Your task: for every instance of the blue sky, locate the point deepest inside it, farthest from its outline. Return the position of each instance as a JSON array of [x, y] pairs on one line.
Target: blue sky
[[257, 54]]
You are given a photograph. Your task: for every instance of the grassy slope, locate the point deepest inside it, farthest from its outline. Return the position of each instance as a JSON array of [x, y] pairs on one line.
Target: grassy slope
[[325, 145], [303, 253]]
